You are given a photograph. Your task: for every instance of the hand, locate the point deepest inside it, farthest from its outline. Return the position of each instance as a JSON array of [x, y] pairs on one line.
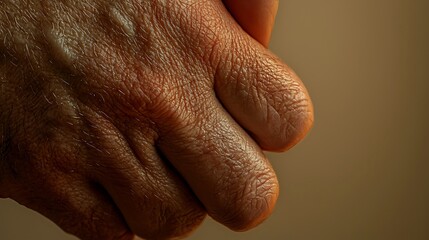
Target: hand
[[138, 117], [256, 17]]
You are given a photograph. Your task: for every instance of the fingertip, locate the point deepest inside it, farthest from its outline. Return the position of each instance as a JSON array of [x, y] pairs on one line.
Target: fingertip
[[248, 222], [249, 211], [294, 131], [268, 99], [256, 17]]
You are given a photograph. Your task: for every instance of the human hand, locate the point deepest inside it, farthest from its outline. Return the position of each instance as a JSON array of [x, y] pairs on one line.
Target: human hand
[[123, 117], [256, 17]]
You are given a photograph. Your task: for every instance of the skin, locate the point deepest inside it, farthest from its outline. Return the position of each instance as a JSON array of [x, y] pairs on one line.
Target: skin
[[256, 17], [124, 118]]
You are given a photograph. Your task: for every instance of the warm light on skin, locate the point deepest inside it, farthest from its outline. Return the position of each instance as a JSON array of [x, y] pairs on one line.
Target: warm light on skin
[[143, 117], [256, 17]]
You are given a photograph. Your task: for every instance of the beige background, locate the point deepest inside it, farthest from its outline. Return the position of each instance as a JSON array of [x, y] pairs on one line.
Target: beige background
[[363, 173]]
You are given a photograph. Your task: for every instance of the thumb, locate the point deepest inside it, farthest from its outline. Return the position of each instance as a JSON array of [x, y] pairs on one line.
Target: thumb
[[256, 17]]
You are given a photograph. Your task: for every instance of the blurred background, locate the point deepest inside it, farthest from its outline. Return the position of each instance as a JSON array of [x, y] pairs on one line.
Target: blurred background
[[363, 172]]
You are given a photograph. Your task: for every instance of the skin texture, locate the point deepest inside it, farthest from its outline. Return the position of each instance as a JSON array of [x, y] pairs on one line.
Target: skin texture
[[256, 17], [141, 117]]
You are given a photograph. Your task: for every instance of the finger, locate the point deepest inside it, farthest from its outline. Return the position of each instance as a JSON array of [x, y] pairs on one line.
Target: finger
[[256, 17], [223, 166], [264, 95], [155, 202], [79, 208]]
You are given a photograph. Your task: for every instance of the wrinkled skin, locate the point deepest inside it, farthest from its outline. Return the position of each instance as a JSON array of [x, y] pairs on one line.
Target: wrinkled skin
[[140, 117]]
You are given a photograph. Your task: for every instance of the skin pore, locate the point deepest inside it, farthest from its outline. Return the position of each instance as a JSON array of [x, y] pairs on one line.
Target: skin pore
[[131, 117]]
